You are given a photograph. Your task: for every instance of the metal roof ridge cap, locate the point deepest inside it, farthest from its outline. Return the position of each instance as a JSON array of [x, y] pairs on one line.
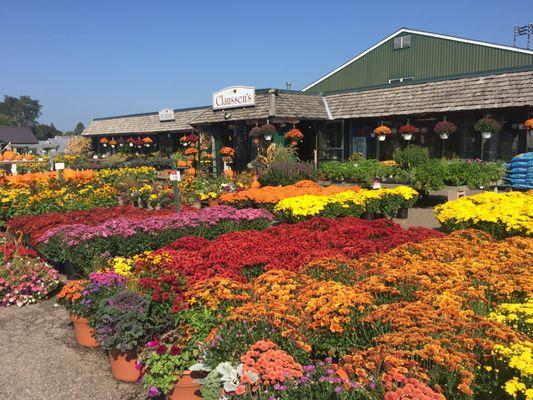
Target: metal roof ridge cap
[[326, 105]]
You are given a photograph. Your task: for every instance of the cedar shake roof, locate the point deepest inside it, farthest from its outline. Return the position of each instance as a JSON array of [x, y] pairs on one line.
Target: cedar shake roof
[[510, 89], [268, 104], [142, 123], [17, 135], [473, 93]]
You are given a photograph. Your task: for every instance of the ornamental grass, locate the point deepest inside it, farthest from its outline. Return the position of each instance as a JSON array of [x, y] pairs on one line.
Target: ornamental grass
[[500, 214]]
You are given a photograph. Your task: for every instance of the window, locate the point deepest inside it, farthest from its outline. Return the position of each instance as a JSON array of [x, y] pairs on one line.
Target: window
[[401, 80], [402, 42]]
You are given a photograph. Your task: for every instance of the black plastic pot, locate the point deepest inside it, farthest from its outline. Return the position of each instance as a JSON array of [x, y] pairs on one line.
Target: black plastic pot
[[402, 213]]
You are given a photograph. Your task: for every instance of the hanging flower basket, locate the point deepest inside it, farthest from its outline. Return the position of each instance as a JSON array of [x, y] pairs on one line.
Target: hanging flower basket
[[528, 124], [227, 154], [184, 141], [407, 131], [382, 132], [444, 129], [487, 126], [268, 131], [256, 133], [192, 138], [294, 136]]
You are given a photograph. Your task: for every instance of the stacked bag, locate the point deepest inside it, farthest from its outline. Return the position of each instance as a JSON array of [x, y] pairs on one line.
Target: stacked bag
[[519, 172]]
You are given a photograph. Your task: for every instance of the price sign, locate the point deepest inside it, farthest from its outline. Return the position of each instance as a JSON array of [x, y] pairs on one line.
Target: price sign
[[60, 165], [175, 176]]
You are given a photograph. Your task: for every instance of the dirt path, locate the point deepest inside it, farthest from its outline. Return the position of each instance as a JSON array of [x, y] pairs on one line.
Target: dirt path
[[41, 360]]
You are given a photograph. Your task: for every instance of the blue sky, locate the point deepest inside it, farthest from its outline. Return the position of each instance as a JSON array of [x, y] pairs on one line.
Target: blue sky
[[87, 59]]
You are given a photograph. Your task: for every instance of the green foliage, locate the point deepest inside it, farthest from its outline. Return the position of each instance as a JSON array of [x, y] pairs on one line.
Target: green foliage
[[428, 176], [416, 170], [24, 111], [411, 156], [120, 321], [43, 131], [363, 172], [287, 173], [175, 352], [6, 120]]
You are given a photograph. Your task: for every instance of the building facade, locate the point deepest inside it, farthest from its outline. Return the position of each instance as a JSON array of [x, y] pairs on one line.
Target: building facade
[[410, 76]]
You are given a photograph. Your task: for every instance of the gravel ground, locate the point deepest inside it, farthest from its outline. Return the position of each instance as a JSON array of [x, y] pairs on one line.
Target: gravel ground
[[41, 360]]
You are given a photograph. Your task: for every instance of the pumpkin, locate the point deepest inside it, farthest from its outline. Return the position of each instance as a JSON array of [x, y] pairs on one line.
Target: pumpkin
[[191, 171], [19, 157], [28, 157], [8, 155]]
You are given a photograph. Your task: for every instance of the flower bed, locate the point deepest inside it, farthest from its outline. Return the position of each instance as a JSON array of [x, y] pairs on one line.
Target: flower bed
[[500, 214], [24, 278], [269, 196], [38, 193], [347, 203], [34, 226], [87, 246], [239, 255], [433, 317]]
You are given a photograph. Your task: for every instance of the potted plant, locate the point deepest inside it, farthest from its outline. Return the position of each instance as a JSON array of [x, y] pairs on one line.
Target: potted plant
[[294, 137], [121, 326], [72, 297], [166, 361], [147, 141], [382, 132], [487, 127], [444, 128], [408, 130], [256, 133], [183, 141], [268, 131]]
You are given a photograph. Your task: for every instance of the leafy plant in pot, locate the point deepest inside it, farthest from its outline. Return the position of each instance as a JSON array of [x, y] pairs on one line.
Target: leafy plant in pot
[[444, 129], [407, 131], [71, 296], [121, 325], [256, 133], [167, 360], [268, 131], [487, 127]]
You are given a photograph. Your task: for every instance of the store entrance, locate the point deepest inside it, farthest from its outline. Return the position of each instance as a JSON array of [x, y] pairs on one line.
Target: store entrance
[[306, 149]]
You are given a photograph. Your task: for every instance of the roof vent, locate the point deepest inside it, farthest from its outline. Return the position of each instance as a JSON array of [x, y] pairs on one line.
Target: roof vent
[[402, 42]]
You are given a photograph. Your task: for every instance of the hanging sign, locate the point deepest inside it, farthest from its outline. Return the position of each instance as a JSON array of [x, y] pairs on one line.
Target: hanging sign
[[234, 97], [166, 114]]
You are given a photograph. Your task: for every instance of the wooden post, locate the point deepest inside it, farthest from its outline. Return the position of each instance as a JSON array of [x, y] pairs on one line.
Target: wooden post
[[175, 186]]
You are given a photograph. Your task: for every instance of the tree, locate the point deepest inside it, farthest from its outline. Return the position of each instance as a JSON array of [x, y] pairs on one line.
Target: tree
[[24, 111], [43, 131], [79, 128], [6, 120]]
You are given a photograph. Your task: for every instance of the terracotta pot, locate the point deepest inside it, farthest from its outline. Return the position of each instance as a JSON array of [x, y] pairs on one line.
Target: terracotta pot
[[84, 333], [185, 388], [123, 365], [255, 183], [212, 202]]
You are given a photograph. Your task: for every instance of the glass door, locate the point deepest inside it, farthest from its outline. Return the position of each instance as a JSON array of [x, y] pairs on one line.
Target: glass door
[[331, 142]]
